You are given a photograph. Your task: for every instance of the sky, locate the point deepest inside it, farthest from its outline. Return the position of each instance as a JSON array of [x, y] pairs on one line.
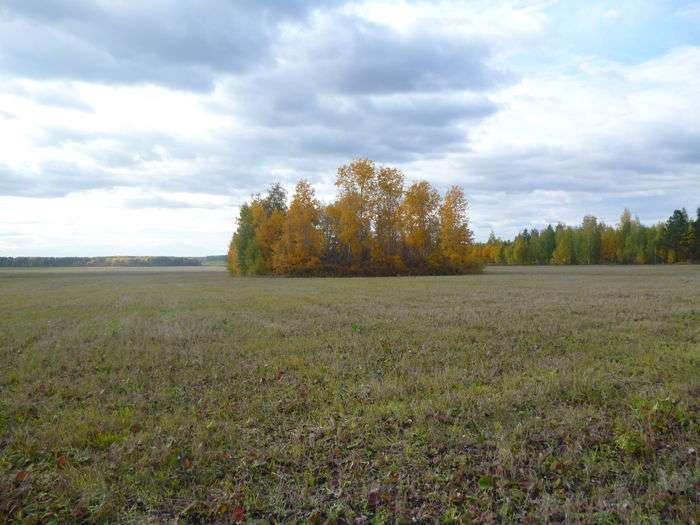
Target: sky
[[138, 128]]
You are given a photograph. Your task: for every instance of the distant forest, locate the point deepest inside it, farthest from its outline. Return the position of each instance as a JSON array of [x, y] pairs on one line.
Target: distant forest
[[27, 262], [378, 226], [592, 242]]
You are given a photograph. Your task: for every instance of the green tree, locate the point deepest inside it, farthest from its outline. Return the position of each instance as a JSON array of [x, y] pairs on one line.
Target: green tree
[[676, 238], [547, 244], [696, 234], [520, 248], [564, 252], [589, 241], [625, 244], [246, 248]]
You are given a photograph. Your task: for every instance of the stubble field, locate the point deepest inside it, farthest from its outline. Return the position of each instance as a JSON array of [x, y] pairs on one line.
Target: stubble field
[[550, 394]]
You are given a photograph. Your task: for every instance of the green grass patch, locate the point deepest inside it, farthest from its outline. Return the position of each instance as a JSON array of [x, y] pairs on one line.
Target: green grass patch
[[565, 394]]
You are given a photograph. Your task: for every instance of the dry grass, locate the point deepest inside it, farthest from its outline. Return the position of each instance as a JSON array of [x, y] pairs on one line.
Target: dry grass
[[550, 394]]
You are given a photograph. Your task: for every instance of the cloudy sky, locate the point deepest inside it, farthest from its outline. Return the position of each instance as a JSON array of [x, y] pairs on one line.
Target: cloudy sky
[[131, 127]]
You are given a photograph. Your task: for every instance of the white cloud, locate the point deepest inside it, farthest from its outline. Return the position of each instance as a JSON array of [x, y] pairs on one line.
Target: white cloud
[[161, 142], [104, 222]]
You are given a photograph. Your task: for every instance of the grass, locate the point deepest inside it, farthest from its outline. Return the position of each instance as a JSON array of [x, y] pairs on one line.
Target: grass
[[553, 394]]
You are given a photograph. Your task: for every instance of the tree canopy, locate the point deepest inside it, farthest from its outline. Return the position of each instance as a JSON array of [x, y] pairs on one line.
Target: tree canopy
[[375, 226], [594, 242], [380, 225]]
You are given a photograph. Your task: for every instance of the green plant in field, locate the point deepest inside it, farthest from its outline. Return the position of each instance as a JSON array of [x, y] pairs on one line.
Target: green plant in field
[[659, 415], [103, 440], [630, 442], [486, 482], [606, 518]]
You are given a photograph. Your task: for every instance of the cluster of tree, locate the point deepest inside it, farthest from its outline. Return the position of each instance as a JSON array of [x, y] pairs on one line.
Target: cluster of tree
[[593, 242], [214, 260], [27, 262], [376, 226]]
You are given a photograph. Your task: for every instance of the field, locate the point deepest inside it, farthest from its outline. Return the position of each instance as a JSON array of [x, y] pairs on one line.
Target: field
[[527, 394]]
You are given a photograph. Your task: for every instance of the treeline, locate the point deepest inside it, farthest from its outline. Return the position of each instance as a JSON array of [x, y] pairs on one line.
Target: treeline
[[376, 226], [214, 260], [28, 262], [593, 242]]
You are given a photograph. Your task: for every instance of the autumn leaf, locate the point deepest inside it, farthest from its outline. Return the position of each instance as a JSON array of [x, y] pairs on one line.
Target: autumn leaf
[[22, 475], [61, 461], [80, 511], [184, 460], [527, 485], [238, 513]]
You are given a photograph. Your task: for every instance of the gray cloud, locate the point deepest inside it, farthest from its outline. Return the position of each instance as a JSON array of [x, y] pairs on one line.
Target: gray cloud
[[53, 179], [187, 45], [334, 88], [178, 44], [163, 203], [389, 129], [346, 88], [309, 87], [61, 99], [615, 166], [60, 96], [349, 55]]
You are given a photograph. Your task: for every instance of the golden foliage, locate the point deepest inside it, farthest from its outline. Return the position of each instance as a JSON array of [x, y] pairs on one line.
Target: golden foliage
[[374, 227]]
